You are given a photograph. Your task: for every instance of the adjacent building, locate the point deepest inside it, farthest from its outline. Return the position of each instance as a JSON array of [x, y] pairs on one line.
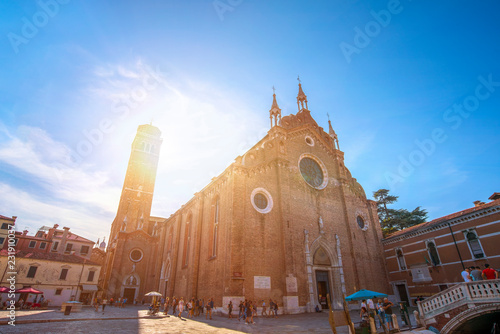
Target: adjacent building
[[286, 220], [56, 262], [428, 258], [5, 223]]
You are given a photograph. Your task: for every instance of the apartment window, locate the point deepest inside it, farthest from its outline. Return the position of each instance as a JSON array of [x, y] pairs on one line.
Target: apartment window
[[401, 259], [1, 241], [32, 272], [43, 245], [64, 273], [433, 253], [5, 226], [90, 278], [474, 244], [58, 292], [69, 247], [84, 250], [32, 244], [55, 245]]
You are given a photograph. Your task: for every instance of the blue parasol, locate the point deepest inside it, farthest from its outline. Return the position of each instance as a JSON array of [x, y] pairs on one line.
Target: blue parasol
[[365, 294]]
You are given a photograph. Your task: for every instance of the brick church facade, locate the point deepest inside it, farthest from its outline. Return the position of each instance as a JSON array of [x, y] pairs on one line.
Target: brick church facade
[[286, 220]]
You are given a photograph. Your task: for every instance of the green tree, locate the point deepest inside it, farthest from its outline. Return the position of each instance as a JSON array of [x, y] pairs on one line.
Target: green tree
[[392, 220]]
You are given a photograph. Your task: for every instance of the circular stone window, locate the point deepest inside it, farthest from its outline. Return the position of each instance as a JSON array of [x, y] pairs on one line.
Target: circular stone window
[[361, 223], [309, 141], [313, 171], [261, 200], [136, 255]]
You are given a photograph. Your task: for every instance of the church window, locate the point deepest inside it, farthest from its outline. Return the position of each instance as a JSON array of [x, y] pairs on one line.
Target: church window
[[136, 255], [401, 259], [187, 241], [361, 223], [215, 228], [309, 141], [313, 172], [433, 253], [261, 200], [170, 238], [474, 244]]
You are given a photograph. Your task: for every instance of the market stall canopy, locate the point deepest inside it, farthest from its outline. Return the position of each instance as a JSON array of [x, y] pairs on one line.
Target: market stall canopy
[[4, 289], [29, 290], [365, 294]]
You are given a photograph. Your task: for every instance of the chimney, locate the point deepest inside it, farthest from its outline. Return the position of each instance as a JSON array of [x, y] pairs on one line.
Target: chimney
[[478, 203], [25, 232], [62, 247], [56, 225], [495, 196], [14, 217]]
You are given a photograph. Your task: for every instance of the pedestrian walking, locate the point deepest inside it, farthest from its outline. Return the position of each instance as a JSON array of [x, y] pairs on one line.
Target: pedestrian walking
[[264, 309], [387, 305], [381, 312], [181, 306], [241, 313], [210, 306], [230, 309], [276, 310], [104, 302]]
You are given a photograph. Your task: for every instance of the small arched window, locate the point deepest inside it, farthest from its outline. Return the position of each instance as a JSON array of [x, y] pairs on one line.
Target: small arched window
[[474, 245], [215, 228], [433, 253], [401, 259], [187, 241]]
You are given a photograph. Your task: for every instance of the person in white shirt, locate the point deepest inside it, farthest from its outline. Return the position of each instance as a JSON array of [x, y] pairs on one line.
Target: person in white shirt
[[466, 275]]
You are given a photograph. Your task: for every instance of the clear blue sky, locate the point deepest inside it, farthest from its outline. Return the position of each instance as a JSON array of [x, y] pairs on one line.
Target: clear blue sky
[[390, 74]]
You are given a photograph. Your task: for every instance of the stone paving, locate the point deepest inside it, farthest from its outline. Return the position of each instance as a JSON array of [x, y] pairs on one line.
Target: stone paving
[[134, 319]]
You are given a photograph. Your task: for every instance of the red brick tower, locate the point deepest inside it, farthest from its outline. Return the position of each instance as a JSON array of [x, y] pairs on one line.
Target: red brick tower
[[133, 237]]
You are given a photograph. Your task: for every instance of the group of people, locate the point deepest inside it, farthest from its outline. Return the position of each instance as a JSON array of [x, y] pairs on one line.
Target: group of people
[[193, 307], [120, 302], [248, 310], [476, 274], [383, 308]]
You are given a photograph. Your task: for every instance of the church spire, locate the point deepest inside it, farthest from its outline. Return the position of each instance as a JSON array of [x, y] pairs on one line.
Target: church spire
[[301, 97], [275, 111], [332, 134]]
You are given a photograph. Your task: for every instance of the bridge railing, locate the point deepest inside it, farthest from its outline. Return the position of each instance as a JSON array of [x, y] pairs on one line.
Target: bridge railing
[[460, 294]]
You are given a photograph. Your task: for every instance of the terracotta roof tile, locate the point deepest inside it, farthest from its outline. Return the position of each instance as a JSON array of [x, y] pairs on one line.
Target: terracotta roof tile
[[50, 257], [442, 219]]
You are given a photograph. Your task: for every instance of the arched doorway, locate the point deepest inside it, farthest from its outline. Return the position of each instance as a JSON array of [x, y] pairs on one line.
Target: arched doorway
[[322, 264], [130, 288]]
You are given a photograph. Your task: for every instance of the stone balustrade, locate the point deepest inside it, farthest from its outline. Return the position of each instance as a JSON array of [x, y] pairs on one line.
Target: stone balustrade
[[460, 294]]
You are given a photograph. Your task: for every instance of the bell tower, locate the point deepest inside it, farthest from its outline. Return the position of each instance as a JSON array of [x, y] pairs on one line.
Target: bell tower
[[133, 238], [137, 194]]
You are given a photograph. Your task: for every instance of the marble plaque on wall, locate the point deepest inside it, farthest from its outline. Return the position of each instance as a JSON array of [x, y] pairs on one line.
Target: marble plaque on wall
[[262, 282]]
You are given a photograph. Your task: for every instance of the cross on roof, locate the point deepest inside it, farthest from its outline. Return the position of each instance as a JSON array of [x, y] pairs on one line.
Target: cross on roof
[[274, 90], [298, 78], [328, 115]]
